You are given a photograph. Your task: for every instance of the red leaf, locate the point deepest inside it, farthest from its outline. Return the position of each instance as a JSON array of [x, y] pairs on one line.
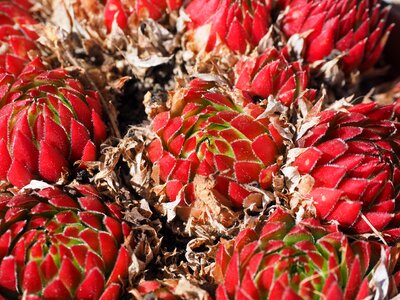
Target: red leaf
[[56, 290], [265, 149], [69, 275], [56, 137], [172, 189], [345, 212], [325, 200], [328, 176], [92, 286], [237, 193], [91, 203], [114, 227], [331, 150], [89, 153], [247, 172], [108, 249], [8, 274], [79, 138], [52, 163], [25, 151], [232, 279], [307, 160], [5, 161], [120, 270], [321, 46], [18, 174], [248, 126], [112, 292], [99, 128], [378, 220], [236, 38], [90, 219], [243, 150], [266, 176], [91, 238], [354, 188], [363, 291], [354, 280], [65, 115], [79, 106], [48, 268], [93, 261]]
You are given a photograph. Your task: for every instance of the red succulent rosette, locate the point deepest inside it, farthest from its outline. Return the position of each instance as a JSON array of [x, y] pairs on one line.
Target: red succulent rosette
[[122, 11], [355, 29], [301, 260], [48, 121], [61, 245], [210, 135], [238, 24], [352, 159], [270, 74], [16, 37]]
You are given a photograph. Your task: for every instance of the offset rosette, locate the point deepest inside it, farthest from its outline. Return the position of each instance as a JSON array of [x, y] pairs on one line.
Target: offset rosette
[[305, 260], [238, 24], [350, 163], [48, 121], [123, 11], [59, 245], [16, 37], [353, 28], [212, 133], [270, 74]]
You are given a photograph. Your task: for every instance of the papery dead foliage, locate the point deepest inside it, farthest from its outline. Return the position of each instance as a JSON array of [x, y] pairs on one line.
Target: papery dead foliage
[[189, 258], [132, 52], [147, 247], [175, 289], [388, 92]]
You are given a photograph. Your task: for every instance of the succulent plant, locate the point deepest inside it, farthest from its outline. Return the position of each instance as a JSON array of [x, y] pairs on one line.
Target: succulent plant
[[238, 24], [301, 260], [122, 12], [351, 158], [209, 133], [270, 74], [355, 29], [48, 121], [59, 244], [16, 37]]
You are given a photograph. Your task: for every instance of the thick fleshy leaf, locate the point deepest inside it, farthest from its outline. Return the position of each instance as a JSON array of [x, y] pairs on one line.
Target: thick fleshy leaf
[[92, 286], [350, 156], [112, 292], [69, 274], [8, 274], [353, 29], [5, 161], [56, 290], [297, 259], [79, 261], [79, 138], [51, 162], [89, 152], [114, 12], [237, 25], [121, 266], [108, 248], [41, 107], [18, 174], [212, 136], [271, 75]]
